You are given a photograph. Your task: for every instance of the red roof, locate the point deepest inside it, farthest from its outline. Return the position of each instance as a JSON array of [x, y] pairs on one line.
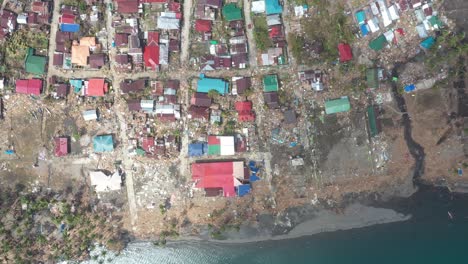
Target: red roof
[[275, 31], [61, 147], [203, 25], [96, 87], [153, 39], [214, 140], [148, 144], [215, 175], [151, 56], [127, 6], [174, 7], [244, 110], [31, 86], [121, 39], [345, 52], [67, 19], [154, 1]]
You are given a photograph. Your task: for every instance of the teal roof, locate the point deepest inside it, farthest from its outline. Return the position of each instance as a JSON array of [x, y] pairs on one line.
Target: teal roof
[[231, 12], [273, 7], [205, 85], [372, 78], [361, 17], [378, 43], [337, 105], [77, 85], [372, 121], [35, 64], [270, 83], [435, 22], [427, 43], [103, 143]]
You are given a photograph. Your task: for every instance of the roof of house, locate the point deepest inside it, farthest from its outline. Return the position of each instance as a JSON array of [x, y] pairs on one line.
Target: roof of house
[[96, 87], [70, 27], [35, 64], [200, 99], [121, 39], [134, 105], [67, 19], [221, 145], [96, 60], [58, 59], [231, 12], [103, 143], [61, 146], [105, 183], [168, 23], [218, 175], [203, 25], [244, 111], [337, 105], [127, 6], [174, 84], [372, 78], [271, 99], [204, 85], [40, 7], [270, 83], [153, 38], [212, 3], [132, 86], [345, 52], [62, 90], [197, 149], [61, 36], [88, 41], [29, 86], [151, 56], [290, 117], [361, 17], [428, 43], [378, 43], [199, 111], [79, 55], [273, 7], [243, 84]]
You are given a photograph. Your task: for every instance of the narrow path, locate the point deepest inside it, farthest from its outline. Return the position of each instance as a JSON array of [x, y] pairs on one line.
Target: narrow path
[[250, 35], [185, 36], [52, 45]]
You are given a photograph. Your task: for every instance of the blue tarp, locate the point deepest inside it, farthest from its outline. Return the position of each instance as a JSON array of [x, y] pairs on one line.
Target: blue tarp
[[410, 88], [197, 149], [273, 7], [254, 177], [70, 28], [364, 30], [9, 152], [427, 43], [243, 189], [103, 143]]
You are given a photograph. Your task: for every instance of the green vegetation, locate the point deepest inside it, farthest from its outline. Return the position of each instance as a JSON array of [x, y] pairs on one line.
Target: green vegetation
[[16, 46], [261, 33], [447, 50]]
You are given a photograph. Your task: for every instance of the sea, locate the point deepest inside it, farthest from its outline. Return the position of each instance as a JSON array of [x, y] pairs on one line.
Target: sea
[[436, 233]]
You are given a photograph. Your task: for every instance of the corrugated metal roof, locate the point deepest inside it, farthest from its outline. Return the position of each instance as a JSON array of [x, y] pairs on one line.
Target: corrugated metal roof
[[337, 105]]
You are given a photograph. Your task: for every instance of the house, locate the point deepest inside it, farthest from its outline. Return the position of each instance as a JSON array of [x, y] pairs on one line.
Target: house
[[373, 122], [163, 54], [240, 85], [373, 24], [167, 112], [7, 23], [61, 90], [314, 78], [58, 59], [258, 7], [147, 105], [96, 61], [271, 99], [393, 10], [104, 182], [202, 25], [134, 105], [231, 12], [427, 43], [197, 149], [372, 77], [211, 3], [221, 145], [121, 40], [72, 28], [422, 32], [200, 99], [290, 117], [270, 83], [61, 146], [76, 85], [378, 43], [129, 86], [222, 175], [198, 112], [79, 55], [122, 63], [168, 21], [273, 7], [204, 85], [127, 6], [89, 42], [273, 20], [345, 52], [95, 87], [35, 64], [22, 19], [244, 111], [361, 17], [29, 86], [384, 12], [39, 7], [89, 115], [67, 19], [32, 19], [103, 143], [337, 105], [151, 51], [173, 84]]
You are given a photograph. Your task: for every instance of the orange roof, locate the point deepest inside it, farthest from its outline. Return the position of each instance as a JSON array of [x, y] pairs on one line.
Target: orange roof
[[88, 41], [80, 55], [96, 87]]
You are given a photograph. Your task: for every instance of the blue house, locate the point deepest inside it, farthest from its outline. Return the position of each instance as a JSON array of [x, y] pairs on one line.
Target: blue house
[[273, 7], [197, 149], [73, 28], [205, 85]]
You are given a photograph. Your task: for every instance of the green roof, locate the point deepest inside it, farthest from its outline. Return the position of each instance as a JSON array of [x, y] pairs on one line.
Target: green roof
[[435, 22], [35, 64], [214, 149], [378, 43], [337, 105], [372, 78], [231, 12], [270, 83], [372, 121]]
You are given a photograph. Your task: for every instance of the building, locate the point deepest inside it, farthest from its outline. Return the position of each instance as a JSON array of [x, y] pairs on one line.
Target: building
[[203, 25], [151, 51], [79, 55], [35, 64], [95, 87], [270, 83], [61, 90], [29, 86], [134, 105], [271, 99], [244, 111], [104, 182], [132, 86], [221, 145], [122, 63], [337, 105], [197, 149], [103, 143], [200, 99], [89, 115], [378, 43], [221, 177], [241, 85], [231, 12], [204, 85], [345, 52], [61, 146], [127, 6], [121, 40], [273, 7], [198, 112], [290, 117], [96, 61]]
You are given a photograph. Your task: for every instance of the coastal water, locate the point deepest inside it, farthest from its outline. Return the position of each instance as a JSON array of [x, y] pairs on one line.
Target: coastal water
[[431, 236]]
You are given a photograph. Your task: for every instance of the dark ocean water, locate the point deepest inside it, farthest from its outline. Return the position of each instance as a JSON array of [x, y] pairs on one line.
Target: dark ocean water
[[429, 237]]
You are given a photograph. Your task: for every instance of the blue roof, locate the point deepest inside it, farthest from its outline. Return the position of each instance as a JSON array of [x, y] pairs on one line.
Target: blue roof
[[205, 85], [427, 43], [103, 143], [410, 88], [197, 149], [243, 189], [77, 85], [361, 17], [364, 29], [70, 27], [273, 7]]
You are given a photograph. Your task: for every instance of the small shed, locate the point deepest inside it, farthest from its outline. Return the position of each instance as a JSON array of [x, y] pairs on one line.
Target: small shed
[[89, 115], [61, 146], [345, 52], [270, 83]]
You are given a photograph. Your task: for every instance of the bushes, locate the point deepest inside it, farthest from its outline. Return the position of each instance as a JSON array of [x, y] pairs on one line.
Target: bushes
[[261, 33]]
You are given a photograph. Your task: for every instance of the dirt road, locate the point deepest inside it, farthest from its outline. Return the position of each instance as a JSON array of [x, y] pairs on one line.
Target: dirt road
[[52, 45], [250, 35], [186, 33]]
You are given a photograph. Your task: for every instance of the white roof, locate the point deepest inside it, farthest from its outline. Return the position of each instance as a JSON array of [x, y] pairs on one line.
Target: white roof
[[168, 14], [170, 91], [89, 115], [421, 31], [22, 19], [389, 36], [105, 183], [258, 6], [374, 8], [163, 54], [227, 145], [2, 83], [168, 23], [273, 20], [299, 11], [393, 12], [419, 15], [373, 24], [385, 14], [148, 104]]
